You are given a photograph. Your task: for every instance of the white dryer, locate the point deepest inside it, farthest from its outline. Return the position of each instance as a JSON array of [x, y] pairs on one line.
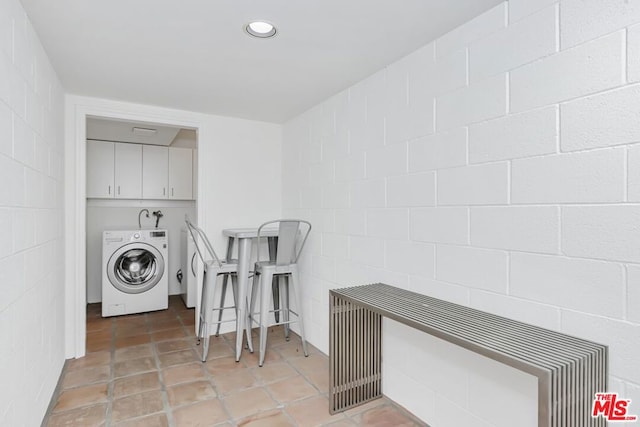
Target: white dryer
[[189, 265], [134, 271]]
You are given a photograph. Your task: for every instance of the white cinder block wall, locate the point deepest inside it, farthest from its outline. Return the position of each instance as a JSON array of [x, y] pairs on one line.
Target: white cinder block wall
[[498, 167], [31, 222]]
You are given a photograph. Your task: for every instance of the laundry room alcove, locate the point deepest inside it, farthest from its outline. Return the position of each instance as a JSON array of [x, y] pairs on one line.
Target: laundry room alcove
[[141, 181]]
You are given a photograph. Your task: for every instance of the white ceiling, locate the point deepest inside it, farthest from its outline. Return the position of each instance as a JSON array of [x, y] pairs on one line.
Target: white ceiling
[[194, 54], [125, 131]]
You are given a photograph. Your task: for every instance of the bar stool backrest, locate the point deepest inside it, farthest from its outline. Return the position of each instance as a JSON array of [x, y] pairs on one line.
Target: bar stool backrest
[[289, 230], [203, 247]]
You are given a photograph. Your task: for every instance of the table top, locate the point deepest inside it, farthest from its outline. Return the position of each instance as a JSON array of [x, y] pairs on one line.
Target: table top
[[249, 233]]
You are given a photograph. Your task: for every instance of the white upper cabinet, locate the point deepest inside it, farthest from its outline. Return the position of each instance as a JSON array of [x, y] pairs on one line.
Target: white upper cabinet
[[128, 171], [155, 172], [180, 173], [100, 169], [137, 171]]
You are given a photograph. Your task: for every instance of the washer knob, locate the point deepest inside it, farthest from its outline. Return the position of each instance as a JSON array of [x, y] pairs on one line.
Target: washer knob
[[136, 236]]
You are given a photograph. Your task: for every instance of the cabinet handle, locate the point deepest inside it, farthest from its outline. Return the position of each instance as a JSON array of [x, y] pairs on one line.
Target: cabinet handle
[[109, 190], [164, 191], [171, 191], [118, 190]]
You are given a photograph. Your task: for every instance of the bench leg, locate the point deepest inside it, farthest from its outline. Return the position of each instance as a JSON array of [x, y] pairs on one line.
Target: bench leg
[[355, 355]]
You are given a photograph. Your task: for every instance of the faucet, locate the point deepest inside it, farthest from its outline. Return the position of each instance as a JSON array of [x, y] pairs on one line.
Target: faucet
[[140, 213], [158, 214]]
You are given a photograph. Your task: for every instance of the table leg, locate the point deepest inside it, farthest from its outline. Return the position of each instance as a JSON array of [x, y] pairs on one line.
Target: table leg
[[244, 260]]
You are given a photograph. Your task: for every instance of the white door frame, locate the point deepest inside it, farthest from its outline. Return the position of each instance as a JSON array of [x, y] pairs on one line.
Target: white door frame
[[77, 109]]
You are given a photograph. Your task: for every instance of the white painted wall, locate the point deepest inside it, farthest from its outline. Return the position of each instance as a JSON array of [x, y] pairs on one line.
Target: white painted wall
[[240, 174], [497, 167], [123, 215], [31, 222]]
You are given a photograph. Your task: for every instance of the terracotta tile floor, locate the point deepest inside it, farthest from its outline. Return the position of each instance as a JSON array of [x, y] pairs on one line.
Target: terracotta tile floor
[[144, 370]]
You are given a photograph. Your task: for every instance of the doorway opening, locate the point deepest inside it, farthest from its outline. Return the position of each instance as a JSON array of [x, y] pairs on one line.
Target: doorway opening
[[141, 182], [92, 120]]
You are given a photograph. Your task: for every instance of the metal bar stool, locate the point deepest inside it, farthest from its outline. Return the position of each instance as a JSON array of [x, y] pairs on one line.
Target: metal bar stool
[[285, 267], [213, 268]]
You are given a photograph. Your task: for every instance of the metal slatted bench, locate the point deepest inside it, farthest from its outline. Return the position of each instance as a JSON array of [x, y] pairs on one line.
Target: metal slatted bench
[[570, 370]]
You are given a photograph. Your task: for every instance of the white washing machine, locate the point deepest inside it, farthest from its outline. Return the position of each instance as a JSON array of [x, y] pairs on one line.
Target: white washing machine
[[189, 264], [134, 271]]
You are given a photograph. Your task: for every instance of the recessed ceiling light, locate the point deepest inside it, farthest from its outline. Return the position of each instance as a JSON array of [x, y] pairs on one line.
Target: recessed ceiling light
[[260, 29]]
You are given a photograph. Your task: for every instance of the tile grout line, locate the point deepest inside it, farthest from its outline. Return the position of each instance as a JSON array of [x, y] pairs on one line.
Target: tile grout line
[[320, 392], [285, 405], [286, 353], [163, 388], [211, 379], [112, 373]]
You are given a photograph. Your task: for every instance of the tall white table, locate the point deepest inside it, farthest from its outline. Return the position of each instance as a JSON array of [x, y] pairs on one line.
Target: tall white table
[[244, 237]]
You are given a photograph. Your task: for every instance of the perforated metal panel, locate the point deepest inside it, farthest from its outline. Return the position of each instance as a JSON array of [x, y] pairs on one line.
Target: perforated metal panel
[[570, 370]]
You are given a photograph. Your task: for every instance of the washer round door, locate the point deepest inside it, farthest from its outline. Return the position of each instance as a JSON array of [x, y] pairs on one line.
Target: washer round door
[[135, 268]]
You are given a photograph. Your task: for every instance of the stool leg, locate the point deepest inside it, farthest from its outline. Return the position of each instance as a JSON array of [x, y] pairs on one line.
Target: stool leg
[[234, 290], [252, 308], [208, 302], [276, 297], [295, 284], [223, 294], [203, 298], [284, 280], [266, 281]]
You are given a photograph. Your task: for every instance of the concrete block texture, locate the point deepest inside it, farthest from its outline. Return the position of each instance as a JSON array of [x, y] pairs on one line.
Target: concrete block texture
[[602, 232], [602, 120], [558, 281], [581, 21], [412, 190], [32, 152], [415, 258], [593, 176], [440, 225], [633, 173], [528, 228], [472, 267], [474, 185], [519, 9], [498, 166], [524, 41], [633, 53], [527, 134], [482, 100], [582, 70], [442, 150], [487, 23]]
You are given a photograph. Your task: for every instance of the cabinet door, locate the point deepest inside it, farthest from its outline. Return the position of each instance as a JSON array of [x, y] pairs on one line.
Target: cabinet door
[[128, 167], [155, 167], [100, 169], [180, 173]]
